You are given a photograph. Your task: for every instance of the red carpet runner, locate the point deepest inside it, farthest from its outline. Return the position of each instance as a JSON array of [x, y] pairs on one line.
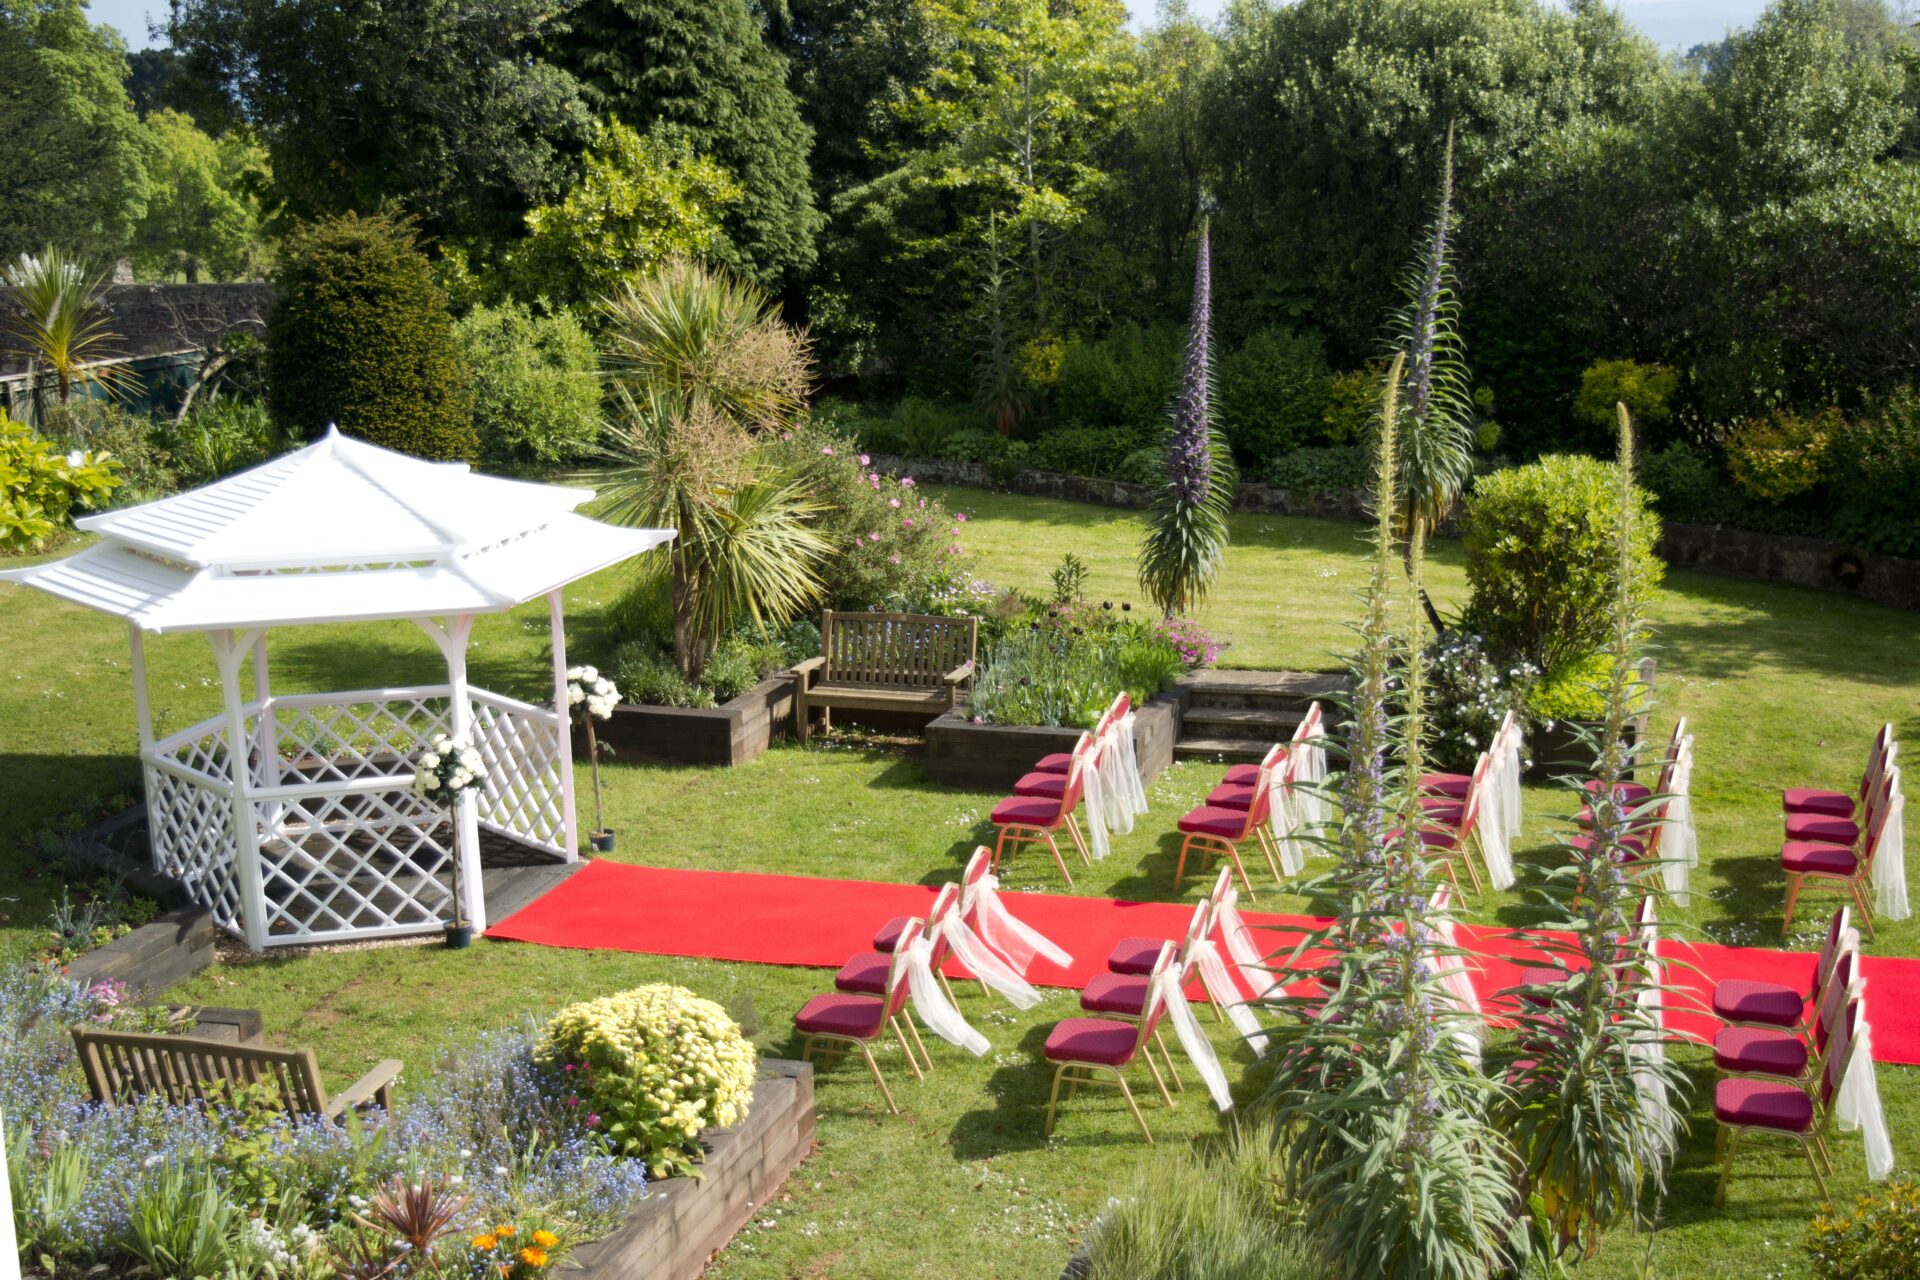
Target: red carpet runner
[[802, 920]]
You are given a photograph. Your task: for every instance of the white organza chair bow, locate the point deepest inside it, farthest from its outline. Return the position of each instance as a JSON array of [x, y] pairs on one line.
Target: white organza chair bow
[[986, 913], [1680, 842], [1454, 969], [1122, 793]]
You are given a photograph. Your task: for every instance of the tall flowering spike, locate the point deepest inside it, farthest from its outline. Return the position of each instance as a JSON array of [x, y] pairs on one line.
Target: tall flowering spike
[[1190, 445], [1435, 279]]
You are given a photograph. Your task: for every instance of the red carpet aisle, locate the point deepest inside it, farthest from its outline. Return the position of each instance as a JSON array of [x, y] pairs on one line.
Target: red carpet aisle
[[802, 920]]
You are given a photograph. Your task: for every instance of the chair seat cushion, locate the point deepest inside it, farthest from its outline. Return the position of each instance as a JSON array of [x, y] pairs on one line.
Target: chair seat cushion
[[1822, 859], [865, 973], [1742, 1000], [1636, 847], [1048, 786], [1134, 955], [1543, 976], [1058, 762], [1231, 795], [1097, 1040], [1831, 804], [1775, 1053], [1442, 811], [1030, 811], [1454, 786], [1209, 820], [1821, 829], [1432, 838], [839, 1014], [1119, 993], [889, 935], [1242, 775], [1784, 1107], [1628, 792]]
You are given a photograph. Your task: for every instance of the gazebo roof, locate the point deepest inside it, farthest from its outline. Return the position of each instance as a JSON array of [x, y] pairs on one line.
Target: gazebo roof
[[338, 531]]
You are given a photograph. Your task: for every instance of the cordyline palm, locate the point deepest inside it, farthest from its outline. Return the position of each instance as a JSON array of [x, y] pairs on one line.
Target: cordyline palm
[[1187, 527], [1435, 454], [59, 321], [698, 364]]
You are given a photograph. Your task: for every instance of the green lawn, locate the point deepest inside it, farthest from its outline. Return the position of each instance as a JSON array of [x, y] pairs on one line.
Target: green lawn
[[1780, 685]]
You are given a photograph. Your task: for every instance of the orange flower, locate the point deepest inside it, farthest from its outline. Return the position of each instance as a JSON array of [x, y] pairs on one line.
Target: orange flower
[[545, 1239], [505, 1230], [484, 1244], [534, 1257]]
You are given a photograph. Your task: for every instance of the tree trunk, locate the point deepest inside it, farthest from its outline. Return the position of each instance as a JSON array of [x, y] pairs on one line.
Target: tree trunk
[[685, 643]]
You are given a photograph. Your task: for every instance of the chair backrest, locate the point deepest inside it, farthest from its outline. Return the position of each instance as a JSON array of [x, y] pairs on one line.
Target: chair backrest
[[898, 992], [1840, 1047], [1476, 793], [1892, 801], [1154, 1006], [1837, 929], [979, 867], [1308, 723], [1844, 987], [1199, 923], [125, 1066], [1083, 759], [1222, 886], [1646, 923], [894, 650], [1442, 898], [945, 903], [1276, 761], [1876, 759], [1509, 724]]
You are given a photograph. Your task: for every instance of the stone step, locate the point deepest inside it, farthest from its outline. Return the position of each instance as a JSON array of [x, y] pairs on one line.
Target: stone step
[[1256, 724], [1272, 690], [1229, 750]]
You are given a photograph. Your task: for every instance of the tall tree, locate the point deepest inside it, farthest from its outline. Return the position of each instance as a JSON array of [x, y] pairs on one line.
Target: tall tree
[[444, 106], [70, 144], [703, 71], [203, 214]]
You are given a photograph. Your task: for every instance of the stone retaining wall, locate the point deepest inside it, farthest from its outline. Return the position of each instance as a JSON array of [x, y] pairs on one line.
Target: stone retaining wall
[[683, 1222], [992, 757]]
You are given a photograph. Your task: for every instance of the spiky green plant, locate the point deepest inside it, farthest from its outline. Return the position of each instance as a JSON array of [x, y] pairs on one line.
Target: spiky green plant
[[997, 392], [1391, 1155], [1186, 538], [60, 323], [1594, 1141], [1434, 460]]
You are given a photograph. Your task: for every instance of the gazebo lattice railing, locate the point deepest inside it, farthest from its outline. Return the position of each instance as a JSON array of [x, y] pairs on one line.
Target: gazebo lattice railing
[[292, 816]]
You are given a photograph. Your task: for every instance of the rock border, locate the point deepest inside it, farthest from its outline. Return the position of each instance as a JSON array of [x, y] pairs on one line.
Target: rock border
[[992, 757], [674, 1232]]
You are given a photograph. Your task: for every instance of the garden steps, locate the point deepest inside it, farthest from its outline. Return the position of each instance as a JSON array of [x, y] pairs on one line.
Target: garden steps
[[1236, 715]]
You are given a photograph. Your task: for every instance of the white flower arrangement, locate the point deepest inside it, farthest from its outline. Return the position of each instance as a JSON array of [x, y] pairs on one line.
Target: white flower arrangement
[[448, 767], [590, 693]]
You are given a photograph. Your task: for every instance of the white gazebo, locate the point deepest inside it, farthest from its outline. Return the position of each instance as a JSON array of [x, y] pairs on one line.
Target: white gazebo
[[291, 816]]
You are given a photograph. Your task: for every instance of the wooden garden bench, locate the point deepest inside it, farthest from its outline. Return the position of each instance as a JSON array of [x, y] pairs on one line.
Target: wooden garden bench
[[885, 662], [124, 1066]]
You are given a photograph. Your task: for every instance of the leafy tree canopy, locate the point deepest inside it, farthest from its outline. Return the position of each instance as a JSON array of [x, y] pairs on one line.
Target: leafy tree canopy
[[203, 213]]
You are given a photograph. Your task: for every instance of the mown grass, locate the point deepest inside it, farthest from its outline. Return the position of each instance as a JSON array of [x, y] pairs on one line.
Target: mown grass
[[1780, 685]]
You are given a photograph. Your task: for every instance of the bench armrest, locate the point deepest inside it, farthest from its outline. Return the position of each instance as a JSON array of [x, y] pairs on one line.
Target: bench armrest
[[375, 1086], [807, 666], [959, 675]]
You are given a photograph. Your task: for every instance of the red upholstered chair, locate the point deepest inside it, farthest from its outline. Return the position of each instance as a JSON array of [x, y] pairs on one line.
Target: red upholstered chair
[[1060, 761], [1048, 785], [1215, 830], [1245, 775], [1818, 864], [1744, 1002], [868, 972], [1088, 1051], [840, 1023], [1124, 995], [1766, 1053], [1136, 956], [1453, 786], [1448, 830], [1278, 762], [1635, 792], [1749, 1108], [1830, 828], [1841, 804], [1035, 819]]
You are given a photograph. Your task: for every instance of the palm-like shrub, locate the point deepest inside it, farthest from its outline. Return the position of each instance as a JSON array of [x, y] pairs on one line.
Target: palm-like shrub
[[59, 321], [1590, 1109], [1391, 1152], [1187, 528]]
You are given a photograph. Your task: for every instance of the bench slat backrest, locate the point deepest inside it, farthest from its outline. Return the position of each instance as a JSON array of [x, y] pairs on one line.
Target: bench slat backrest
[[124, 1066], [894, 650]]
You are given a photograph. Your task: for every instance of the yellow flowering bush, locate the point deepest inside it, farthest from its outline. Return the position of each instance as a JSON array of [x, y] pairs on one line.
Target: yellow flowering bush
[[650, 1068], [1879, 1240], [1781, 454]]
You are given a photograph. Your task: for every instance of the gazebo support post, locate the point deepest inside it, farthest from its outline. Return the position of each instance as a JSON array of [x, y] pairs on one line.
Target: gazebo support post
[[270, 770], [229, 650], [557, 624], [451, 637], [142, 716]]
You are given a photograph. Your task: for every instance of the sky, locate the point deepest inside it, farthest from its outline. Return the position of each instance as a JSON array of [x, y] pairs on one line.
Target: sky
[[1674, 24]]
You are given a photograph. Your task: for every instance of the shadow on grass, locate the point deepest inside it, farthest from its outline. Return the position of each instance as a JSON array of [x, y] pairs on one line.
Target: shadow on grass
[[398, 654], [1810, 631]]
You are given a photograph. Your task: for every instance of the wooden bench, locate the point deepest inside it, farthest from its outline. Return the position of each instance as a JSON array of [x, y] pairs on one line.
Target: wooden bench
[[124, 1066], [885, 662]]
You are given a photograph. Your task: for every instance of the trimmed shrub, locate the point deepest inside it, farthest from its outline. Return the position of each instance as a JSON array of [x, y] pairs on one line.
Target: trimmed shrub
[[1353, 402], [1540, 557], [360, 337], [657, 1065], [1126, 378], [1273, 394], [1086, 451], [1575, 691], [1646, 389], [536, 399], [1320, 470]]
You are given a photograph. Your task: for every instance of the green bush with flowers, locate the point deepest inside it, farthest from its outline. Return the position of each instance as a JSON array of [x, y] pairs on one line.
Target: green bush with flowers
[[650, 1069], [40, 487], [1878, 1240]]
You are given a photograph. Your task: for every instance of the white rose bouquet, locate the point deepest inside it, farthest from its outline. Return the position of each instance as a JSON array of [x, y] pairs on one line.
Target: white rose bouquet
[[591, 696], [445, 771]]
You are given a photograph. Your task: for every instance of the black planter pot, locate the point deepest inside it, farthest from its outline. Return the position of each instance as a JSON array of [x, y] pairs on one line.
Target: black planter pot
[[601, 841], [1565, 748], [459, 937]]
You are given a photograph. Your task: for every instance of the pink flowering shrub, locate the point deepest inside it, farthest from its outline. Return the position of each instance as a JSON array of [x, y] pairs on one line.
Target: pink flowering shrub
[[1196, 646]]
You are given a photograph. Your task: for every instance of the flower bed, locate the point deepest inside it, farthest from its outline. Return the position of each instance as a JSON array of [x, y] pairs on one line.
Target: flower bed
[[734, 732], [992, 757]]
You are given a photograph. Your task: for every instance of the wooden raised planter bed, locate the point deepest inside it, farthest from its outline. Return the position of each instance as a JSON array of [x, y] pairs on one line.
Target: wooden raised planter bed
[[992, 757], [683, 1222], [169, 948], [732, 733]]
